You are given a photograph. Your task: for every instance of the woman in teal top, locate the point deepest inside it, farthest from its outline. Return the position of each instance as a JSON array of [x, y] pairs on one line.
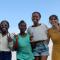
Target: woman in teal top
[[24, 51]]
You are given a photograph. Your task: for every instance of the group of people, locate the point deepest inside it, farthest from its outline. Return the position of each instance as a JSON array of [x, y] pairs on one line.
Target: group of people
[[31, 43]]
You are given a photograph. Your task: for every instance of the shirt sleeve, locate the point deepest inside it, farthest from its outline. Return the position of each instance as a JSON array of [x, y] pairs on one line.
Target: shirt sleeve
[[28, 30]]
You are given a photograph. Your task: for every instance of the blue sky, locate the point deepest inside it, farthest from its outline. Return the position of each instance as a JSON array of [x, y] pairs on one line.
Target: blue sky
[[16, 10]]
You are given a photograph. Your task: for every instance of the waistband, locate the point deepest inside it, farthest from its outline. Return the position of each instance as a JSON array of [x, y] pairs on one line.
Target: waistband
[[5, 51]]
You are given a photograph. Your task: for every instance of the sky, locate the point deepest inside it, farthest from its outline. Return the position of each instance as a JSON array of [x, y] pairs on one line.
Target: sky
[[16, 10]]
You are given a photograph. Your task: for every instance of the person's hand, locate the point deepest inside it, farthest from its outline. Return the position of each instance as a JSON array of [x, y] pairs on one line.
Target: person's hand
[[9, 38], [16, 36], [55, 23]]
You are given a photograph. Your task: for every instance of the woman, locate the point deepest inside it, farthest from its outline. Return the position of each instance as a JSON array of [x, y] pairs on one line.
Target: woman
[[22, 43], [54, 34], [6, 42], [38, 31]]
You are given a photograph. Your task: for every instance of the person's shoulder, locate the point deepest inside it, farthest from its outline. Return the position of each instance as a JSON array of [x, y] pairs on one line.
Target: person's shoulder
[[44, 26], [27, 34], [29, 27], [41, 24], [49, 29]]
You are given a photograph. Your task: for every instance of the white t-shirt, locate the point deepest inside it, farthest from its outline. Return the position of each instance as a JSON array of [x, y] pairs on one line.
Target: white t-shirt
[[4, 46], [39, 33]]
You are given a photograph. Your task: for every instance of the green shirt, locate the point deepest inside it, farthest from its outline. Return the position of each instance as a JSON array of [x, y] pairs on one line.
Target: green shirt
[[24, 51]]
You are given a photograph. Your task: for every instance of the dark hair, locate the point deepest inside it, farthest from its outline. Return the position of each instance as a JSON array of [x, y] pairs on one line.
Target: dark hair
[[37, 13], [53, 16], [6, 22], [22, 21]]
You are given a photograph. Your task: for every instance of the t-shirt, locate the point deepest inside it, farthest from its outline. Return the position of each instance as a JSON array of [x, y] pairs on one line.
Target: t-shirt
[[4, 45], [24, 51], [39, 33]]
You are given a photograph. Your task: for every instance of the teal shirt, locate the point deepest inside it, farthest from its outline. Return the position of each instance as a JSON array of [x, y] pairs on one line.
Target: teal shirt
[[24, 51]]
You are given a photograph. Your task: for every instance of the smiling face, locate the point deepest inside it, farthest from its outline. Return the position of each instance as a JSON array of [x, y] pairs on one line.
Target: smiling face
[[36, 17], [4, 26], [53, 20], [22, 27]]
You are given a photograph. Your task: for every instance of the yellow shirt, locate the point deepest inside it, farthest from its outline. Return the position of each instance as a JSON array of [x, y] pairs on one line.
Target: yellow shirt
[[55, 37]]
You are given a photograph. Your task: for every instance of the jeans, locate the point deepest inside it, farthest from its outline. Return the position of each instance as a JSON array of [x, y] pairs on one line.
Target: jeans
[[5, 55]]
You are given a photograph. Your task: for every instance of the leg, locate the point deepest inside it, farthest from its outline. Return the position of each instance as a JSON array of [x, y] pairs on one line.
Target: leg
[[43, 57], [45, 52], [36, 57]]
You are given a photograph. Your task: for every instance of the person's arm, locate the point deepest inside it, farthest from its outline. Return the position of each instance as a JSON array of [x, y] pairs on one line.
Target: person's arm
[[10, 41], [58, 27], [33, 44], [47, 41], [48, 35], [15, 46], [31, 35], [56, 24], [31, 39]]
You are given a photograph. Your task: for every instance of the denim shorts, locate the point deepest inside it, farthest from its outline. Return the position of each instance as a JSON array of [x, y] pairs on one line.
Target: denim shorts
[[41, 49]]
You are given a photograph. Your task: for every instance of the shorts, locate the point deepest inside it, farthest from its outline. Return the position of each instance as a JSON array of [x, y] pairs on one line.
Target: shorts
[[41, 49]]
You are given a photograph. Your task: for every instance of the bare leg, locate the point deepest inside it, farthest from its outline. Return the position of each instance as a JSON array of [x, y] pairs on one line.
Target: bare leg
[[44, 57], [36, 57]]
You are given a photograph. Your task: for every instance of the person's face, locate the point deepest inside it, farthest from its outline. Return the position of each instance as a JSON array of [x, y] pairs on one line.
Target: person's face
[[35, 18], [22, 27], [4, 27], [53, 21]]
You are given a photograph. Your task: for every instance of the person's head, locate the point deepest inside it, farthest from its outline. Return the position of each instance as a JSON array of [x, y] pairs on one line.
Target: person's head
[[4, 26], [22, 26], [36, 17], [53, 19]]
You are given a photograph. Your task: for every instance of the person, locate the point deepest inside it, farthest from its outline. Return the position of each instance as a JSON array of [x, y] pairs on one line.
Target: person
[[54, 34], [39, 42], [22, 43], [6, 43]]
